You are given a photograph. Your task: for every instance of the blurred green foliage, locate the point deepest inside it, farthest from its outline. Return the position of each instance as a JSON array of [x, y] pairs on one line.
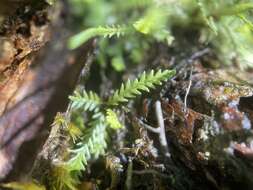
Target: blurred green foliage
[[226, 26]]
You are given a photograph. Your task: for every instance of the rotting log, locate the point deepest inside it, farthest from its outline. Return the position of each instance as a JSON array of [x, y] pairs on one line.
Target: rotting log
[[36, 83]]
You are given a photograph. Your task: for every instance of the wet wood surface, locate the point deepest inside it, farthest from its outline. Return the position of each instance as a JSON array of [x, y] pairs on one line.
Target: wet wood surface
[[38, 77]]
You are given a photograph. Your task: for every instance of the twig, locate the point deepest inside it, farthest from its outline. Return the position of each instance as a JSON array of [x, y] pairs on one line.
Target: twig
[[199, 54], [148, 127], [160, 121], [187, 91], [160, 130]]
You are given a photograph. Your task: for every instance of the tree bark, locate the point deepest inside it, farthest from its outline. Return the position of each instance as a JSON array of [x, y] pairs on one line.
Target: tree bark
[[41, 90]]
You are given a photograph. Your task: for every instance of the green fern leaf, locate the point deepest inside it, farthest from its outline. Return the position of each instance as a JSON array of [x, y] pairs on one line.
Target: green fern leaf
[[234, 10], [87, 101], [92, 145], [23, 186], [79, 160], [207, 17], [133, 88], [84, 36], [74, 132], [246, 21], [133, 4], [59, 120], [112, 119], [61, 179]]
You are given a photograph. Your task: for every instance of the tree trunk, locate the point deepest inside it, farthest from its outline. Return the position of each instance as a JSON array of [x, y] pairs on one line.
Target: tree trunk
[[37, 77]]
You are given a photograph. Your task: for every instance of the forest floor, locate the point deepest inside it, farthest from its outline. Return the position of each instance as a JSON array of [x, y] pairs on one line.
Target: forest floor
[[193, 132]]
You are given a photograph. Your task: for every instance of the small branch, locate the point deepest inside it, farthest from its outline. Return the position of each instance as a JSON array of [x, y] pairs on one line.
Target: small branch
[[199, 54], [148, 127], [187, 91], [162, 135], [160, 130]]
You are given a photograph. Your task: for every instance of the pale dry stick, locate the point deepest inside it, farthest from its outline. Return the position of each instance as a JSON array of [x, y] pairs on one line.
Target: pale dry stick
[[187, 91], [199, 54], [160, 130], [148, 127], [162, 134]]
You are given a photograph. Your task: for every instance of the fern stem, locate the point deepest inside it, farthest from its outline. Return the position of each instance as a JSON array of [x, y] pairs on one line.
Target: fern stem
[[87, 101], [131, 89], [79, 39], [233, 10]]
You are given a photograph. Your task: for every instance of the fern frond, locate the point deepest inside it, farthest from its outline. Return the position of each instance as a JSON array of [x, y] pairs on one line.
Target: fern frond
[[246, 21], [59, 120], [130, 4], [61, 179], [87, 101], [23, 186], [92, 144], [234, 10], [107, 32], [154, 23], [112, 119], [207, 17], [153, 20], [74, 132], [133, 88], [72, 128]]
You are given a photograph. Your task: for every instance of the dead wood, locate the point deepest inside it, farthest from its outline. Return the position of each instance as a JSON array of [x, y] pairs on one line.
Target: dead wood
[[36, 90]]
